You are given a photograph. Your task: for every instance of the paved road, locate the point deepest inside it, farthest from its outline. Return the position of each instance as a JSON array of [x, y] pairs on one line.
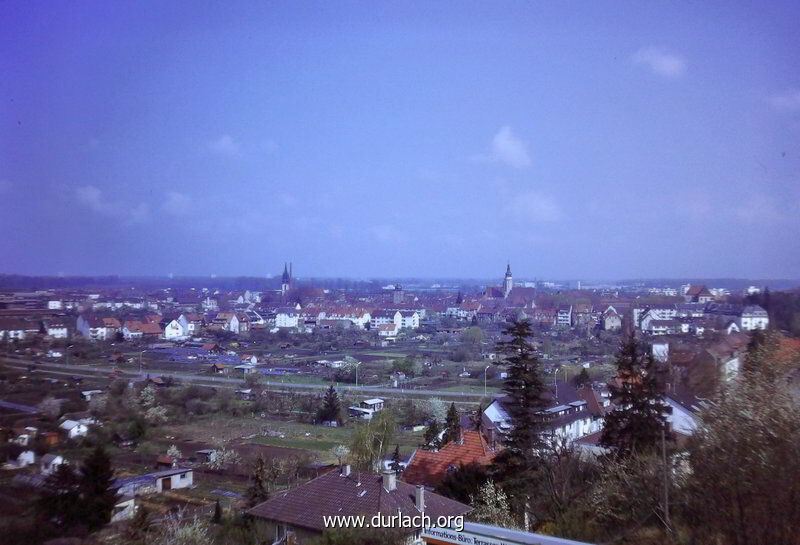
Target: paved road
[[81, 370]]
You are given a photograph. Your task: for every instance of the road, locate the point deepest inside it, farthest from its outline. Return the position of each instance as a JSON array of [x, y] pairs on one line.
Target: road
[[104, 371]]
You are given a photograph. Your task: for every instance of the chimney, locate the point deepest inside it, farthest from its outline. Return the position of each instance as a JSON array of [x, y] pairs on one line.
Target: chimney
[[346, 470], [389, 480], [419, 498]]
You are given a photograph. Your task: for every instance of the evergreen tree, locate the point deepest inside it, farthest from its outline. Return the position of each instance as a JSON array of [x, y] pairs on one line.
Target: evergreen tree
[[331, 409], [217, 518], [74, 500], [582, 378], [98, 493], [432, 435], [258, 490], [453, 425], [395, 465], [524, 388], [639, 417], [59, 503]]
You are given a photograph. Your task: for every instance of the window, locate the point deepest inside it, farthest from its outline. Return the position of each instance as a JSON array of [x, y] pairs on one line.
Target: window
[[183, 476]]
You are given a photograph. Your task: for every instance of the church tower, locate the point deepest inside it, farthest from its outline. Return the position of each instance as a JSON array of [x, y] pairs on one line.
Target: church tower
[[507, 282], [286, 280]]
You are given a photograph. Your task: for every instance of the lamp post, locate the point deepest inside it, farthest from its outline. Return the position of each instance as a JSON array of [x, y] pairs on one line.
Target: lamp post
[[484, 379], [357, 364], [140, 360]]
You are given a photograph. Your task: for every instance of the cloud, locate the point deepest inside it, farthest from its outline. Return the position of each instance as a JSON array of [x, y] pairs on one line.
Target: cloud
[[226, 146], [508, 149], [535, 206], [660, 61], [177, 203], [388, 234], [93, 198], [786, 102]]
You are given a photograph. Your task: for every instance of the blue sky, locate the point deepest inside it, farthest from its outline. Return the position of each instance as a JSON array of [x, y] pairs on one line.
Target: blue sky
[[579, 140]]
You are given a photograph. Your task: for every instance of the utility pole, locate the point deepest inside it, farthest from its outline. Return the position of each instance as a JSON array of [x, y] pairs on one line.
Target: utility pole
[[484, 380], [666, 478]]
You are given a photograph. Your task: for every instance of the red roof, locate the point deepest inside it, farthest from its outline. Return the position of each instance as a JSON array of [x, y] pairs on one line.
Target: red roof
[[429, 467]]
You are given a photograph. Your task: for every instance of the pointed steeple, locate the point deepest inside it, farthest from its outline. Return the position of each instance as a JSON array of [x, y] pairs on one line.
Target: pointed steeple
[[285, 277], [508, 269]]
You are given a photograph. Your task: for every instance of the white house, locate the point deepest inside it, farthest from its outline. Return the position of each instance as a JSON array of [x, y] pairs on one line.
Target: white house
[[57, 330], [286, 317], [177, 329], [564, 316], [409, 319], [382, 317], [50, 462], [74, 428], [387, 330], [660, 313], [159, 481], [753, 317], [26, 458]]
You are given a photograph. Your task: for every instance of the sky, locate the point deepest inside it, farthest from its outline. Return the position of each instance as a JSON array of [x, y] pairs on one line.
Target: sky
[[593, 140]]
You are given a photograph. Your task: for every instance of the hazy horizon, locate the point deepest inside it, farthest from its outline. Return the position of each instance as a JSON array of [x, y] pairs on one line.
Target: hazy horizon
[[615, 140]]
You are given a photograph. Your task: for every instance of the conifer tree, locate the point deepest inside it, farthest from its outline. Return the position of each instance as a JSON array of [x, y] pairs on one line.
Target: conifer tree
[[524, 388], [98, 493], [395, 465], [217, 518], [432, 435], [80, 498], [258, 491], [331, 409], [582, 378], [638, 420], [453, 425]]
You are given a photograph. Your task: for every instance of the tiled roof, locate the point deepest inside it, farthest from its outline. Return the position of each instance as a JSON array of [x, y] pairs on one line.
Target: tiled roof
[[429, 467], [334, 494]]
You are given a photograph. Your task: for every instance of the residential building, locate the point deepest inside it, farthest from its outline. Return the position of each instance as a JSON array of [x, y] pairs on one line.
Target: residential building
[[296, 515], [430, 467]]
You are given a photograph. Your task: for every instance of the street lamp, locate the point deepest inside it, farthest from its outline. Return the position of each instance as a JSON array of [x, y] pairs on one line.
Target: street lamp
[[140, 360], [357, 364], [484, 380]]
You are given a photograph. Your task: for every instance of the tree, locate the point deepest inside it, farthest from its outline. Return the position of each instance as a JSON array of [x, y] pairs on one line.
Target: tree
[[491, 505], [745, 472], [637, 422], [98, 492], [472, 336], [432, 433], [395, 465], [221, 458], [217, 517], [436, 409], [50, 407], [371, 440], [340, 452], [258, 491], [174, 452], [463, 483], [59, 503], [452, 425], [179, 530], [524, 387], [331, 409], [582, 378], [81, 499]]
